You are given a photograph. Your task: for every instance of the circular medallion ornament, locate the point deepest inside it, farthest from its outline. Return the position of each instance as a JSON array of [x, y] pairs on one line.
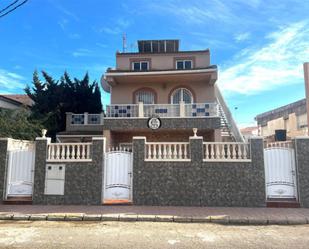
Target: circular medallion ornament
[[154, 123]]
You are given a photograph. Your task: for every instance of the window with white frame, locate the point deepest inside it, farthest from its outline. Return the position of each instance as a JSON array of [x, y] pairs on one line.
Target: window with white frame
[[145, 96], [140, 65], [181, 94], [183, 64]]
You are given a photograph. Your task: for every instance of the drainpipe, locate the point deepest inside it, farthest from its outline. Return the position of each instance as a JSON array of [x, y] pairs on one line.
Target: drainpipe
[[306, 74]]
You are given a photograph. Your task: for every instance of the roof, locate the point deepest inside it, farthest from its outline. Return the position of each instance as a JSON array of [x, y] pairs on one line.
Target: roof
[[298, 107], [167, 53], [249, 129], [20, 99]]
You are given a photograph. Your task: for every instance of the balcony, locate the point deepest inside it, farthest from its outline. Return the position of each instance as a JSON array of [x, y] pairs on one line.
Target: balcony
[[135, 116]]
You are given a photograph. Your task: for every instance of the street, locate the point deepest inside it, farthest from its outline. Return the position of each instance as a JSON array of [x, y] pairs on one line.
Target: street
[[42, 234]]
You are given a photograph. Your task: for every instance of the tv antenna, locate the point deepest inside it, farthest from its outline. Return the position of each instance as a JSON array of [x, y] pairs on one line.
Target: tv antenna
[[124, 42]]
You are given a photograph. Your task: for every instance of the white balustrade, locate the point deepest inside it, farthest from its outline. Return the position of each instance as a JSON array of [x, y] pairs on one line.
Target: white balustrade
[[217, 151], [162, 151], [60, 152]]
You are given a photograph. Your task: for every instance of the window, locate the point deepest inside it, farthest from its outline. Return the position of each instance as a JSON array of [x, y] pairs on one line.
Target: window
[[145, 96], [181, 94], [183, 64], [140, 66]]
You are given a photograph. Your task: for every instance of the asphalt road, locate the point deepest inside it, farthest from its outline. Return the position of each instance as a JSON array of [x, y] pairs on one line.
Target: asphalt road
[[40, 234]]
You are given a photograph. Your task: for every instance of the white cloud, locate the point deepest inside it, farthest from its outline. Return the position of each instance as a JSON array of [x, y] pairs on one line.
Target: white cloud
[[10, 81], [63, 23], [196, 12], [277, 63], [81, 52], [119, 26], [242, 37]]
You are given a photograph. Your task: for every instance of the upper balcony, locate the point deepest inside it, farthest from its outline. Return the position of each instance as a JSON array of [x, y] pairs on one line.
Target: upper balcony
[[135, 116]]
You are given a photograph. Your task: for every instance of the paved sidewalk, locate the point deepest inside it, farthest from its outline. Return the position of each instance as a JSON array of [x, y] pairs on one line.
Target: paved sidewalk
[[241, 216]]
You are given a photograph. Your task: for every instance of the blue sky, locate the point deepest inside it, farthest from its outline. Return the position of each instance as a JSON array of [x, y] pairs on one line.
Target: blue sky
[[259, 46]]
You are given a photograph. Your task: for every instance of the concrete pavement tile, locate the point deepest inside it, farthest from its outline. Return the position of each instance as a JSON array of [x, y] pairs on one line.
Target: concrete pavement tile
[[128, 217], [146, 217], [220, 219], [182, 219], [6, 216], [21, 216], [74, 217], [110, 217], [56, 217], [92, 217], [164, 218], [38, 217]]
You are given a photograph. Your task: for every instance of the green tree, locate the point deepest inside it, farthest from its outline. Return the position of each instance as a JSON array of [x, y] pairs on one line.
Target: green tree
[[52, 99], [18, 125]]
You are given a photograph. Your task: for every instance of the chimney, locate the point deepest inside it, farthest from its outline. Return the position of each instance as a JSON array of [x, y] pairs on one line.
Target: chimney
[[306, 74]]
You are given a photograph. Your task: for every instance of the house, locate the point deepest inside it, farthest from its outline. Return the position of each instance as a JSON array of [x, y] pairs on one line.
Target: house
[[286, 121], [159, 92], [249, 132], [14, 101], [167, 138]]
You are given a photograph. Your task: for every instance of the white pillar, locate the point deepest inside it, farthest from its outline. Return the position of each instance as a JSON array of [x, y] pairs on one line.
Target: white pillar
[[85, 118], [182, 112], [140, 109]]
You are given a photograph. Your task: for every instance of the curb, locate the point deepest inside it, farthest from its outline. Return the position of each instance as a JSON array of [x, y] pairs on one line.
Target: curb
[[219, 219]]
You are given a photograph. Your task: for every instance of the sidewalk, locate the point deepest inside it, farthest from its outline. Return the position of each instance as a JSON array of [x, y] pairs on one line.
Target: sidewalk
[[221, 215]]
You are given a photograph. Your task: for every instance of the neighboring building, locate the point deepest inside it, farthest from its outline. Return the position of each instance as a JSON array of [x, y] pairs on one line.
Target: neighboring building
[[291, 118], [161, 81], [14, 101], [247, 132]]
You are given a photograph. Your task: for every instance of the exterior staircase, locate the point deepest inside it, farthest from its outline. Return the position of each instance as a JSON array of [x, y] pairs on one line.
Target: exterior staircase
[[229, 129]]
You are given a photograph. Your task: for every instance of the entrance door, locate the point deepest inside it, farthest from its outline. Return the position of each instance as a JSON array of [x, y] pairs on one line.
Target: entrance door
[[20, 173], [117, 185], [280, 172]]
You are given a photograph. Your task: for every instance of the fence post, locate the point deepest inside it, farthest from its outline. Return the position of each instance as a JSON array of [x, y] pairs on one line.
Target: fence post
[[98, 154], [39, 169], [138, 164], [301, 145], [196, 149], [3, 163]]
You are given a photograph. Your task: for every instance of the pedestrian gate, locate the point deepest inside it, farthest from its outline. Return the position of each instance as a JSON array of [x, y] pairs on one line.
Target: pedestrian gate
[[117, 185], [20, 168], [280, 170]]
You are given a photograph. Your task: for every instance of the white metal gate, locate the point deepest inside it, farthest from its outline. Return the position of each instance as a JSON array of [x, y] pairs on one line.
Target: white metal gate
[[117, 185], [280, 170], [20, 170]]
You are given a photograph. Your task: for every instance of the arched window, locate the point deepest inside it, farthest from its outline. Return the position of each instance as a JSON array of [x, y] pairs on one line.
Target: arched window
[[181, 94], [144, 95]]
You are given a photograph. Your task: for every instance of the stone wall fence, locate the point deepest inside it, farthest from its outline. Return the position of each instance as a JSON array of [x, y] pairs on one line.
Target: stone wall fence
[[198, 173]]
